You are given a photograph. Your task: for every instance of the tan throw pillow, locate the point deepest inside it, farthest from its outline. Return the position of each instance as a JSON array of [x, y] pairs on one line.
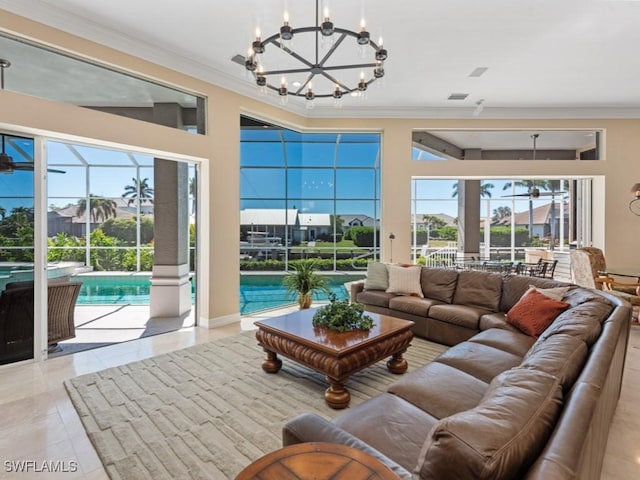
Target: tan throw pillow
[[535, 312], [405, 280], [377, 276], [556, 293]]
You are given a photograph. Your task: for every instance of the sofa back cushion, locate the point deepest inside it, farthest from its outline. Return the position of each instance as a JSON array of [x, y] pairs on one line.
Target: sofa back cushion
[[502, 436], [561, 355], [439, 283], [478, 289], [583, 322], [515, 286]]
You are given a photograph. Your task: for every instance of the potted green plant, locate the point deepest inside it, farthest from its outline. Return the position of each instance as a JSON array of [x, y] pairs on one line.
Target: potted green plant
[[303, 282], [342, 316]]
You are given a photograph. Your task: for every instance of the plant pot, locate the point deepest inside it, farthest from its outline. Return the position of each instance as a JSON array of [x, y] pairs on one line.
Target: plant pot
[[304, 300]]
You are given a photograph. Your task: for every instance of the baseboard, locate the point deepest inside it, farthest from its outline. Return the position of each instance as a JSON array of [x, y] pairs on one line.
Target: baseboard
[[218, 321]]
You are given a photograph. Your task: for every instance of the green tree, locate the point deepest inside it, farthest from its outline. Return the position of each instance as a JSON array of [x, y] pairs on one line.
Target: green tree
[[138, 191], [431, 221], [530, 185], [101, 208], [500, 212], [485, 189]]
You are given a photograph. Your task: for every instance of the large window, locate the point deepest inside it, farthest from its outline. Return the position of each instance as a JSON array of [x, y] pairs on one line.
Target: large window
[[308, 195], [517, 217]]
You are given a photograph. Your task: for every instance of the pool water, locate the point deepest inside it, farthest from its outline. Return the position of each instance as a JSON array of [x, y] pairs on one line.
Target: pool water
[[257, 292]]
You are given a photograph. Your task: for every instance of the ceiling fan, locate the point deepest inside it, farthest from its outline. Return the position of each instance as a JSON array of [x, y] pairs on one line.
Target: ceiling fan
[[534, 192], [7, 165]]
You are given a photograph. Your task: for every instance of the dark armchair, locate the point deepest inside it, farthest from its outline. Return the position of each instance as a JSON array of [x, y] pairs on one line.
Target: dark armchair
[[17, 310]]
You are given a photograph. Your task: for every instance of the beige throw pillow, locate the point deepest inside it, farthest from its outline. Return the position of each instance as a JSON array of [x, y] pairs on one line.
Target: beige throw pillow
[[405, 280], [377, 276], [556, 293]]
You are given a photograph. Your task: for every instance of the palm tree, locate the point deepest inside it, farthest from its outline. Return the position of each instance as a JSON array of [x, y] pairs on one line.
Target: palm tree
[[500, 212], [485, 189], [101, 208], [553, 186], [530, 184], [139, 190]]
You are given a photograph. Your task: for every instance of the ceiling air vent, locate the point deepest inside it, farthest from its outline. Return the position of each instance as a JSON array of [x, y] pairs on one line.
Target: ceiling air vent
[[458, 96], [478, 71]]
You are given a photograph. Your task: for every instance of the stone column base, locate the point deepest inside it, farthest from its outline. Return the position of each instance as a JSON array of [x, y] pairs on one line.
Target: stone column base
[[170, 291]]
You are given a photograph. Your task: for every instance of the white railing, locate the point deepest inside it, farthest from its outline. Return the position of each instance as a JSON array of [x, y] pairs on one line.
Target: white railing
[[441, 257]]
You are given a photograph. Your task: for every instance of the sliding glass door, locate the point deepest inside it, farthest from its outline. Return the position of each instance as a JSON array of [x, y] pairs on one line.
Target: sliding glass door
[[17, 207]]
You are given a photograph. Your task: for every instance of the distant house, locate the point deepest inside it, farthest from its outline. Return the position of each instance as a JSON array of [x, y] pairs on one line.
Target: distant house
[[284, 223], [66, 220], [349, 221], [541, 220], [418, 220]]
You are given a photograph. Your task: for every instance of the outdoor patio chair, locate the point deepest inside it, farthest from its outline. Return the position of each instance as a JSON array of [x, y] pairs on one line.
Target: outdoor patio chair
[[62, 296]]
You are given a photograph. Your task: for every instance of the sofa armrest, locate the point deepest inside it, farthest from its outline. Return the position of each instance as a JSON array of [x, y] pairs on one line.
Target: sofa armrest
[[356, 288], [310, 427]]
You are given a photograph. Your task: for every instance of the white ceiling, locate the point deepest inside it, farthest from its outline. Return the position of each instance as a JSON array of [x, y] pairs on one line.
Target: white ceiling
[[545, 58]]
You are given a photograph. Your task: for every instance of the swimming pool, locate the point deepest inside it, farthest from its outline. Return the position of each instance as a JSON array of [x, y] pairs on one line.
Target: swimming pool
[[257, 292]]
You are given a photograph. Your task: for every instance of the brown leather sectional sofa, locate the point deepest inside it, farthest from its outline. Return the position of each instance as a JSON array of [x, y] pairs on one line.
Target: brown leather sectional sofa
[[498, 404]]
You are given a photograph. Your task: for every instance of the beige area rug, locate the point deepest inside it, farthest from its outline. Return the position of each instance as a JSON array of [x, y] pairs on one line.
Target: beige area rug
[[207, 411]]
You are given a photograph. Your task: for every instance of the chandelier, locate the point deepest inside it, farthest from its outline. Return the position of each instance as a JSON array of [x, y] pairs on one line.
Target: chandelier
[[308, 61]]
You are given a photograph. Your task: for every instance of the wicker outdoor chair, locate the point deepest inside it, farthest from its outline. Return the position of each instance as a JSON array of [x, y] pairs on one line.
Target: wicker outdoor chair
[[62, 296]]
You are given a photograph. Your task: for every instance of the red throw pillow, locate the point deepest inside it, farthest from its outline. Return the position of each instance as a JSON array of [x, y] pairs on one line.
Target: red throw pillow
[[534, 312]]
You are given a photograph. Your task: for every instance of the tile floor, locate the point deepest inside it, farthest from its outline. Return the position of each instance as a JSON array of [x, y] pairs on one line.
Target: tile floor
[[38, 421]]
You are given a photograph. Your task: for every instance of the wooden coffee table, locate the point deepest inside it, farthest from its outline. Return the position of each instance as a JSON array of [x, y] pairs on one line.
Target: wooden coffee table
[[312, 461], [335, 354]]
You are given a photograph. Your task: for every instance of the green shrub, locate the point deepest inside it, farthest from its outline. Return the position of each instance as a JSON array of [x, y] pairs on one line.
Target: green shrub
[[363, 236], [124, 229]]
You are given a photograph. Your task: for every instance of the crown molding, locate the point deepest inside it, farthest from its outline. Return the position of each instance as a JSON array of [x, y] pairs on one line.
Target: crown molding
[[77, 25]]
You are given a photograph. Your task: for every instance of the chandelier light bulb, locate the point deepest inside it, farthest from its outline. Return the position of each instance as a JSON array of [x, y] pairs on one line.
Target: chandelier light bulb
[[327, 25], [249, 62], [363, 35], [258, 33], [286, 32], [362, 84]]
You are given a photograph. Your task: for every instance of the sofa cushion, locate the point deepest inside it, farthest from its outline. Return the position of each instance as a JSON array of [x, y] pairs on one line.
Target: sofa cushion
[[405, 280], [463, 315], [481, 361], [583, 321], [514, 287], [534, 312], [440, 390], [506, 340], [413, 305], [579, 296], [377, 276], [438, 283], [501, 437], [496, 320], [561, 355], [391, 425], [375, 297], [479, 289]]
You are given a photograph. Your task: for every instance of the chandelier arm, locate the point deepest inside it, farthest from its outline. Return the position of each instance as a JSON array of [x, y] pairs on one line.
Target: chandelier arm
[[337, 82], [345, 67], [293, 54], [285, 71], [306, 82], [336, 44]]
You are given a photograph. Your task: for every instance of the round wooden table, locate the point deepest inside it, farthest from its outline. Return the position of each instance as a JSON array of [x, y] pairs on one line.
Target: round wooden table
[[315, 460]]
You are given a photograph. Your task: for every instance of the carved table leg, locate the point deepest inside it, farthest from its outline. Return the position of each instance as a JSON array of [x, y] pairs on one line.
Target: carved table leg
[[336, 395], [272, 364], [397, 364]]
